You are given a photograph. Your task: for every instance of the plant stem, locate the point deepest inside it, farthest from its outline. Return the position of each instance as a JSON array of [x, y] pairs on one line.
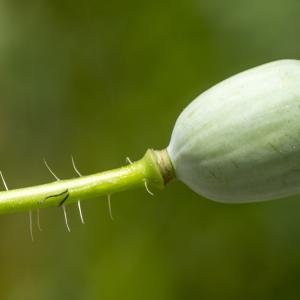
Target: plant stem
[[154, 170]]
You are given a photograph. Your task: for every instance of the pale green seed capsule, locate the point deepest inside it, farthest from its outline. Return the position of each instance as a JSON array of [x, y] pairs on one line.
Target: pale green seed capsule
[[240, 140]]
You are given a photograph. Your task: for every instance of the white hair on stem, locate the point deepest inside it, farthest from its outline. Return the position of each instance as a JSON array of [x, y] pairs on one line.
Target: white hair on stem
[[109, 207], [78, 202], [38, 219], [3, 180], [30, 225], [74, 166], [145, 180], [66, 218], [50, 170], [128, 160], [147, 188], [63, 207]]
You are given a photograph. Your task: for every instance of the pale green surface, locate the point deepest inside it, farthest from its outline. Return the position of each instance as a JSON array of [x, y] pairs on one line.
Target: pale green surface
[[239, 140], [105, 80]]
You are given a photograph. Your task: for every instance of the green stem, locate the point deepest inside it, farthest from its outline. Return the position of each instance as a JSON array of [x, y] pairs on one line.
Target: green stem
[[154, 169]]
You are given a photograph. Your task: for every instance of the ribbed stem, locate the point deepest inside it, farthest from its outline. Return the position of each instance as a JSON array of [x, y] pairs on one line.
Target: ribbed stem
[[150, 170]]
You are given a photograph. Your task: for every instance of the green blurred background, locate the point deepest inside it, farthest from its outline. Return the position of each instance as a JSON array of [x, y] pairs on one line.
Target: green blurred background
[[103, 80]]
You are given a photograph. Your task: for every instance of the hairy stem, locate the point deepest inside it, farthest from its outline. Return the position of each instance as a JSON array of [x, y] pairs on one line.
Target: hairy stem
[[154, 170]]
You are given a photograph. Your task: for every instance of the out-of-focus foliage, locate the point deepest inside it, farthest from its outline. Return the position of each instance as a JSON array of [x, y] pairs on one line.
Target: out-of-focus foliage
[[107, 79]]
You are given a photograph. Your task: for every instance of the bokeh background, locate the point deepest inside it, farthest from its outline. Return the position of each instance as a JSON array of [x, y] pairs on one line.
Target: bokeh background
[[103, 80]]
